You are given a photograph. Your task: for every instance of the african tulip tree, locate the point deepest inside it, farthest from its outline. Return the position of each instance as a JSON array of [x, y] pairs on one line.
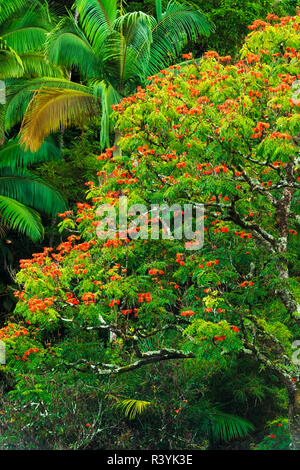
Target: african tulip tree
[[218, 134]]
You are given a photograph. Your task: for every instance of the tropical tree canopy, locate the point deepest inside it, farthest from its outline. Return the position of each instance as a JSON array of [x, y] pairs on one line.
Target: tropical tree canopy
[[223, 135]]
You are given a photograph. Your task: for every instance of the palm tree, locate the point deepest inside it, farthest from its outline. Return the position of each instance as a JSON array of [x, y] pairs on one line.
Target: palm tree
[[113, 52], [24, 26]]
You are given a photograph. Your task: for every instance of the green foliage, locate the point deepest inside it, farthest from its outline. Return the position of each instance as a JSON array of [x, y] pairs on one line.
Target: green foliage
[[204, 336], [13, 155], [131, 407], [232, 18], [23, 30], [226, 427], [18, 189], [20, 218], [24, 26], [278, 437]]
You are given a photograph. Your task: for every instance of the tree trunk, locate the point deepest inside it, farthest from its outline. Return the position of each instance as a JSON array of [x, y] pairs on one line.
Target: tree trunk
[[63, 129], [118, 135], [294, 414]]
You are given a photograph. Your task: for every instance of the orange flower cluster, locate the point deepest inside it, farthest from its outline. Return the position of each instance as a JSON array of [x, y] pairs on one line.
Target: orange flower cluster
[[246, 284], [219, 168], [129, 311], [280, 135], [155, 271], [179, 259], [257, 24], [36, 304], [80, 269], [52, 271], [12, 330], [219, 338], [113, 243], [144, 296], [187, 313], [19, 295], [209, 263], [71, 299], [88, 298], [65, 214], [108, 152], [260, 128], [243, 234], [27, 354], [253, 58], [211, 55]]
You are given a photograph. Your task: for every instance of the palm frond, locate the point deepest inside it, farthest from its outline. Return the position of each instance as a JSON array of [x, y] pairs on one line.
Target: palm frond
[[51, 109], [119, 63], [158, 9], [136, 32], [131, 407], [21, 218], [36, 65], [67, 45], [30, 190], [97, 18], [226, 427], [108, 96], [9, 7], [19, 94], [28, 32], [13, 155], [179, 24], [10, 62]]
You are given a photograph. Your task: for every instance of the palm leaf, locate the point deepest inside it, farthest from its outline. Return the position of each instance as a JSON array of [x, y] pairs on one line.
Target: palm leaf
[[179, 24], [67, 45], [108, 95], [35, 64], [10, 62], [28, 189], [21, 218], [134, 31], [19, 94], [51, 109], [226, 427], [97, 18], [28, 31], [158, 8], [13, 155], [119, 64], [9, 7], [131, 407]]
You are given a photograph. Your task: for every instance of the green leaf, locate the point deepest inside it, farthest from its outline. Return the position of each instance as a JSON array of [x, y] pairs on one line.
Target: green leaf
[[131, 407], [21, 218]]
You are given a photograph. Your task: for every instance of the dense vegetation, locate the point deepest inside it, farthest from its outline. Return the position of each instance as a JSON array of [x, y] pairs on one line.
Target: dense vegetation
[[130, 342]]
